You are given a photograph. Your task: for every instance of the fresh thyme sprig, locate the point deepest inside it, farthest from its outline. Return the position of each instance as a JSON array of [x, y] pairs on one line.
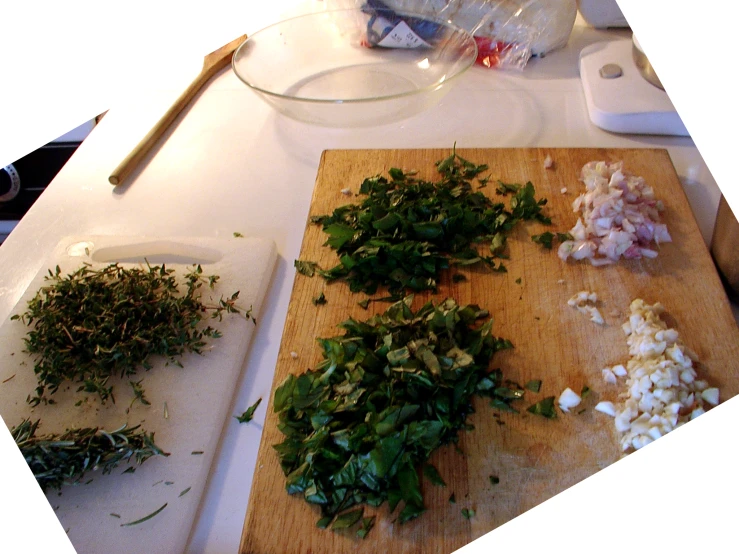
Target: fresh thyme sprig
[[96, 323], [60, 459]]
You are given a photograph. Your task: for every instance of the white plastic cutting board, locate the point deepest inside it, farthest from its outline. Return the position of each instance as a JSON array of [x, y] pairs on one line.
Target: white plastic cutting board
[[198, 397]]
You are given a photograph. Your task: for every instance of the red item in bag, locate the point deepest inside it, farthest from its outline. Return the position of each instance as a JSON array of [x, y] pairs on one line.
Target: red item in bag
[[490, 52]]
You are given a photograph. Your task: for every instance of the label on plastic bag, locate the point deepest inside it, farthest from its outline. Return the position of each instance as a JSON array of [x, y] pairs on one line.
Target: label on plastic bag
[[402, 36]]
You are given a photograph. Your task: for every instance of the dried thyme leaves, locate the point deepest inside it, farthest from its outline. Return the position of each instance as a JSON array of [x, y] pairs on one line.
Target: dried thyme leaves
[[93, 324], [407, 230], [391, 390], [60, 459]]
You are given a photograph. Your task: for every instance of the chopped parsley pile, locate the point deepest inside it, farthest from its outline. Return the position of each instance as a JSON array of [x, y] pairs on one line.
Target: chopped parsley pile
[[407, 230], [362, 425], [389, 392]]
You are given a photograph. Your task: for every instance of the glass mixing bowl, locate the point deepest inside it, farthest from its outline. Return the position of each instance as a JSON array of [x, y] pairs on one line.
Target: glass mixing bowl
[[320, 67]]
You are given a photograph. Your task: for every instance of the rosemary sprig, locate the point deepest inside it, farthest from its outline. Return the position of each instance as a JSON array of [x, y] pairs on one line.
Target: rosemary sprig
[[60, 459], [96, 323]]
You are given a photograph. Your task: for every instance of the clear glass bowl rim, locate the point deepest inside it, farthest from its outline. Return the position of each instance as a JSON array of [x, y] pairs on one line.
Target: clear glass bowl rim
[[325, 101]]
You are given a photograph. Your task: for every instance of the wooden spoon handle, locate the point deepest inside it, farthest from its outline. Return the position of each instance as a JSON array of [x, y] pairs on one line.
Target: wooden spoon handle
[[142, 148], [213, 64]]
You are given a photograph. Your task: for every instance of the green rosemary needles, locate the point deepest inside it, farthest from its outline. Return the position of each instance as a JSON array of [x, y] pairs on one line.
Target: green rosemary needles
[[56, 460]]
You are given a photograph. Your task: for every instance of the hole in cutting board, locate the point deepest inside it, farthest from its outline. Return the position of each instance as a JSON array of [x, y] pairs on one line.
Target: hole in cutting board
[[157, 252]]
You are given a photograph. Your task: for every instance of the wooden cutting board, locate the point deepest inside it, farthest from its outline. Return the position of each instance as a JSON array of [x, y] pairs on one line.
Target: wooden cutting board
[[195, 398], [534, 458]]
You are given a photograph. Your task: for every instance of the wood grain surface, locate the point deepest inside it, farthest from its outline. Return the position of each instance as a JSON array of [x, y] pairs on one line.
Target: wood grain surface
[[534, 458]]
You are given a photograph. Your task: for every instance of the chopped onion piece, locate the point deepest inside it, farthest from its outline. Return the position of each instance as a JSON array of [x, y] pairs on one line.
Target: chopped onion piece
[[606, 407], [710, 396], [609, 377], [584, 302], [619, 370], [568, 399]]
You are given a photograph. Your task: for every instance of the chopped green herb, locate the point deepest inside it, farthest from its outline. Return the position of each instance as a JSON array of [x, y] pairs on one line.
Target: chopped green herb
[[499, 404], [432, 474], [238, 235], [306, 268], [497, 243], [196, 452], [169, 482], [544, 408], [115, 515], [319, 300], [545, 239], [247, 416], [452, 499], [324, 522], [525, 206], [93, 324], [585, 392], [534, 385], [388, 393], [184, 492], [347, 519], [57, 460], [129, 470], [494, 480], [507, 188], [364, 303], [367, 524], [407, 230], [143, 519], [468, 513], [508, 394], [518, 281], [458, 277]]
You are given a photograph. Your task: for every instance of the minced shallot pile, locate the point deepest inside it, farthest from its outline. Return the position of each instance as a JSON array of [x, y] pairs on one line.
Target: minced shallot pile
[[619, 217]]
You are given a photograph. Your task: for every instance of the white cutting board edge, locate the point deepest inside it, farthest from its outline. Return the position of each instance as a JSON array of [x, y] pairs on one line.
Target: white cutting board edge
[[198, 398]]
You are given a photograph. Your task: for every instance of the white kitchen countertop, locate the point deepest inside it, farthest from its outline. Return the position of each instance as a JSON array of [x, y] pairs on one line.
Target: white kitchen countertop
[[232, 164]]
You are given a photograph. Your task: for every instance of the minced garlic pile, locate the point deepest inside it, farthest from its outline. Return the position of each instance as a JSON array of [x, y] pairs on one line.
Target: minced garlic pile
[[663, 389]]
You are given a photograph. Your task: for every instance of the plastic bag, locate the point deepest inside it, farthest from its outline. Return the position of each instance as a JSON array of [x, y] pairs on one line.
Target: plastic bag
[[508, 32]]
